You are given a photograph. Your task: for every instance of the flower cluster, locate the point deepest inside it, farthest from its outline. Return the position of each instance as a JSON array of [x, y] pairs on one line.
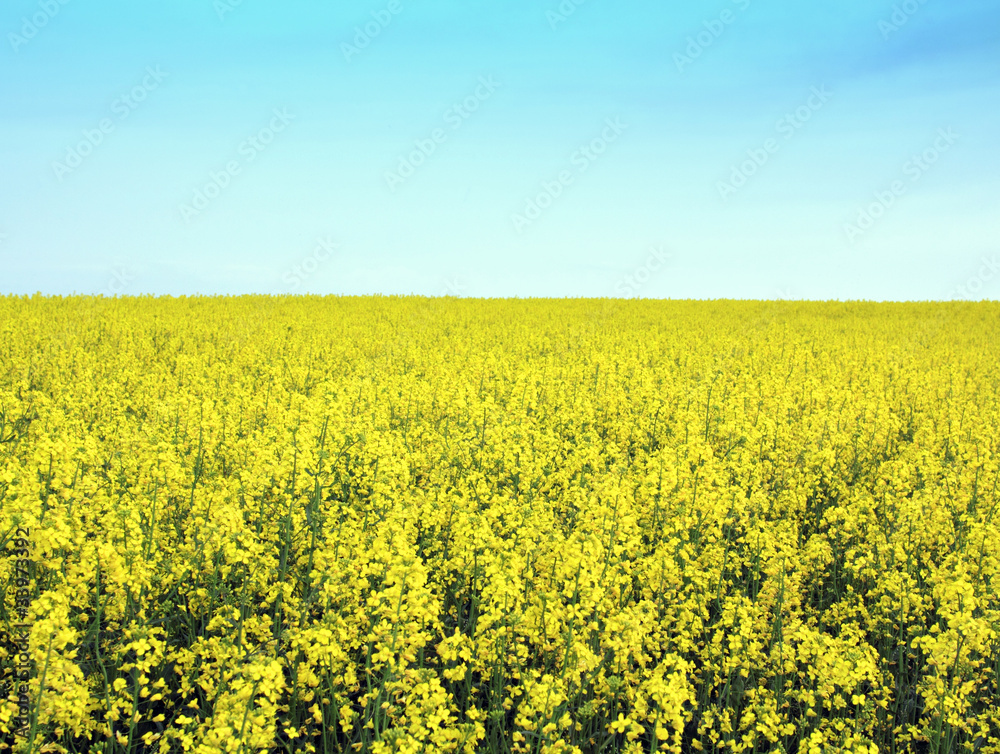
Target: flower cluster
[[416, 525]]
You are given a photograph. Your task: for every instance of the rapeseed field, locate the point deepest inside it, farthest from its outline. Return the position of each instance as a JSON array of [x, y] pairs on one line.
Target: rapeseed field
[[401, 524]]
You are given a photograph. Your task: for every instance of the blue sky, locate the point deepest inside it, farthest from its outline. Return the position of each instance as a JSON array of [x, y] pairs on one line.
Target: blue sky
[[728, 149]]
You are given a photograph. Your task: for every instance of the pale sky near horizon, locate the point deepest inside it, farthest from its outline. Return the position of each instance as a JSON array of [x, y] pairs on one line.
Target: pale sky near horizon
[[732, 149]]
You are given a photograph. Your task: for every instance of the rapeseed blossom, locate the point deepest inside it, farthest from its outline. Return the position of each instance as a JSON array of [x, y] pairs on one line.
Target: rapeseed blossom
[[414, 525]]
